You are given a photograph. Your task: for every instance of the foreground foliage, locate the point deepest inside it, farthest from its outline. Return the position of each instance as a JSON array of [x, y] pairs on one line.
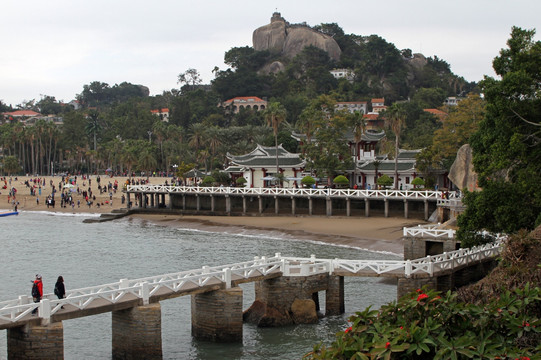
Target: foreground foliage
[[429, 325]]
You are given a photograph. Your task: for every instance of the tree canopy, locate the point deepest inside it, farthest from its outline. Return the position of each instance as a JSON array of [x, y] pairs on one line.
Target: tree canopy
[[507, 145]]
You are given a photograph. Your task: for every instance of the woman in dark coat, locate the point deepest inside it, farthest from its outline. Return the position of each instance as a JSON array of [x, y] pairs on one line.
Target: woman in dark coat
[[59, 288]]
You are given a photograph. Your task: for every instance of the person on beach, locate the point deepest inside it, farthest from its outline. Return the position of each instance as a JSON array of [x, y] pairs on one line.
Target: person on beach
[[59, 288], [37, 291]]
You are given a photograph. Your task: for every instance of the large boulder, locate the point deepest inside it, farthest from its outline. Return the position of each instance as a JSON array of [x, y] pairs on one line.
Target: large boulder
[[272, 36], [304, 311], [289, 40], [461, 172]]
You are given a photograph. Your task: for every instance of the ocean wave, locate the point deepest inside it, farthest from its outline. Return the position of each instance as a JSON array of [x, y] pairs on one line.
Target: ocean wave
[[59, 213]]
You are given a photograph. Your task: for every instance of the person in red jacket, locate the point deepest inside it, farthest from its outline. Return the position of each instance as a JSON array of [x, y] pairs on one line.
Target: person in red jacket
[[37, 295]]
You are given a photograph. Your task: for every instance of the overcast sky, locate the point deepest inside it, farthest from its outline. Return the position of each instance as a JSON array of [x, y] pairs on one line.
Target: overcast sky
[[55, 47]]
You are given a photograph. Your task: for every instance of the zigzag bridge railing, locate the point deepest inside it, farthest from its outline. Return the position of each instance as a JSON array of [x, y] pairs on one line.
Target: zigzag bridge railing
[[185, 282]]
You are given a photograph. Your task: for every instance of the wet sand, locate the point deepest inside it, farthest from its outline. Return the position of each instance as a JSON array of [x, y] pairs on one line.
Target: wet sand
[[373, 233]]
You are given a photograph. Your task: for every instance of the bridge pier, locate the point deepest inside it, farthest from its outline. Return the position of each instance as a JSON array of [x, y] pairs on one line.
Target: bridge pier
[[217, 315], [260, 199], [36, 342], [293, 206], [228, 204], [348, 207], [406, 208], [276, 205], [244, 205], [426, 210], [310, 206], [366, 207], [328, 202], [386, 206], [212, 203], [137, 332], [294, 300]]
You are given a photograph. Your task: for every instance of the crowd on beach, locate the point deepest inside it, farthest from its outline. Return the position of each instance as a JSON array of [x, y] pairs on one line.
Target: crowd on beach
[[81, 192]]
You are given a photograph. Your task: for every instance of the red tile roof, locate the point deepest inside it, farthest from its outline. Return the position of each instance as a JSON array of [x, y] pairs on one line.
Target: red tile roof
[[22, 113]]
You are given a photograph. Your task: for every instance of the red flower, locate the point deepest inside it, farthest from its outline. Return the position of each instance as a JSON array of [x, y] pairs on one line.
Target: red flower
[[419, 291], [401, 328], [348, 330], [421, 297], [387, 344]]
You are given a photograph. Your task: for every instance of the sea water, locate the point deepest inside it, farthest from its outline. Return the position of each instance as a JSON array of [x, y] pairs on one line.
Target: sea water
[[88, 254]]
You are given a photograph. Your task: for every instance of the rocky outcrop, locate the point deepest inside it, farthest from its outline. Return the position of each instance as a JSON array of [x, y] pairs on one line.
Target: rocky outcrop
[[461, 172], [289, 40], [302, 311]]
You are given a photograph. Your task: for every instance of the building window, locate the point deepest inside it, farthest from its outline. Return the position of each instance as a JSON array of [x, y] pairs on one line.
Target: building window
[[407, 179]]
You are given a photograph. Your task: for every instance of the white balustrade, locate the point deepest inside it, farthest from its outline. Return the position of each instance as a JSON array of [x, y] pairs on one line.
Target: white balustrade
[[348, 193], [20, 309]]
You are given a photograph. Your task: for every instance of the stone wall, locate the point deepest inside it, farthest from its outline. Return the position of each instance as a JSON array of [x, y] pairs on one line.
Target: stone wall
[[33, 342]]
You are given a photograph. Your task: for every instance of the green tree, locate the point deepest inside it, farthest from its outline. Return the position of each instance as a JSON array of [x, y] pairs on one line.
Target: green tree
[[395, 116], [328, 154], [507, 145], [10, 165], [275, 114]]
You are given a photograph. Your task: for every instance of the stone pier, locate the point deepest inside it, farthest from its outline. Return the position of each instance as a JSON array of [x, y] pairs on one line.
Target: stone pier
[[36, 342], [217, 315], [294, 300], [137, 332]]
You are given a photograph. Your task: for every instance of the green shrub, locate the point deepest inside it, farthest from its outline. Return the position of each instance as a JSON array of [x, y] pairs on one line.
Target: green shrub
[[208, 181], [308, 181], [385, 181], [241, 182], [428, 325], [341, 181], [418, 182]]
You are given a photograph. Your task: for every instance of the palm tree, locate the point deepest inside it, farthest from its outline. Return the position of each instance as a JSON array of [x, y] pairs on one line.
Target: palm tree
[[395, 117], [213, 137], [274, 114], [358, 131], [93, 126]]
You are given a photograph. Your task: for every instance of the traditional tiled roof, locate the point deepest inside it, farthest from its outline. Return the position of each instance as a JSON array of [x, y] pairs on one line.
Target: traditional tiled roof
[[368, 135], [378, 100], [388, 165], [265, 156], [407, 154]]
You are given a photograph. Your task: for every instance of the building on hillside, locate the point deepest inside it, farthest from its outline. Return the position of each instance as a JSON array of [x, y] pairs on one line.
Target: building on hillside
[[373, 121], [378, 105], [259, 166], [163, 114], [244, 102], [369, 171], [352, 106], [347, 74], [56, 120], [452, 101], [441, 115], [19, 116]]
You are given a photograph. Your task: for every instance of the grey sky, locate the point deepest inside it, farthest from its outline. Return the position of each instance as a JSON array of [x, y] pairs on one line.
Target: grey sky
[[55, 47]]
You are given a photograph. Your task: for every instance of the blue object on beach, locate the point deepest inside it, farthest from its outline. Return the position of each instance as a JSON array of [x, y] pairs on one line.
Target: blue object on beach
[[8, 213]]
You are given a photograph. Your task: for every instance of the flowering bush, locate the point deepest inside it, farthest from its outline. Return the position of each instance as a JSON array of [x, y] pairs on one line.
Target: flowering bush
[[428, 325]]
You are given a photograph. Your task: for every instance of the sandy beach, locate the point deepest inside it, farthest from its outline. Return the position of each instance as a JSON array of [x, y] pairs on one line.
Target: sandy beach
[[373, 233]]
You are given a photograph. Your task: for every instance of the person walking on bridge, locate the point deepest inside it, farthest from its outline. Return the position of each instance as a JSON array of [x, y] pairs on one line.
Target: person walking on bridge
[[59, 288], [37, 291]]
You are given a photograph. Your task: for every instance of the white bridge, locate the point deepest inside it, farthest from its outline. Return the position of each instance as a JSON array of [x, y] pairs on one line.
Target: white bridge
[[130, 292], [352, 193]]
